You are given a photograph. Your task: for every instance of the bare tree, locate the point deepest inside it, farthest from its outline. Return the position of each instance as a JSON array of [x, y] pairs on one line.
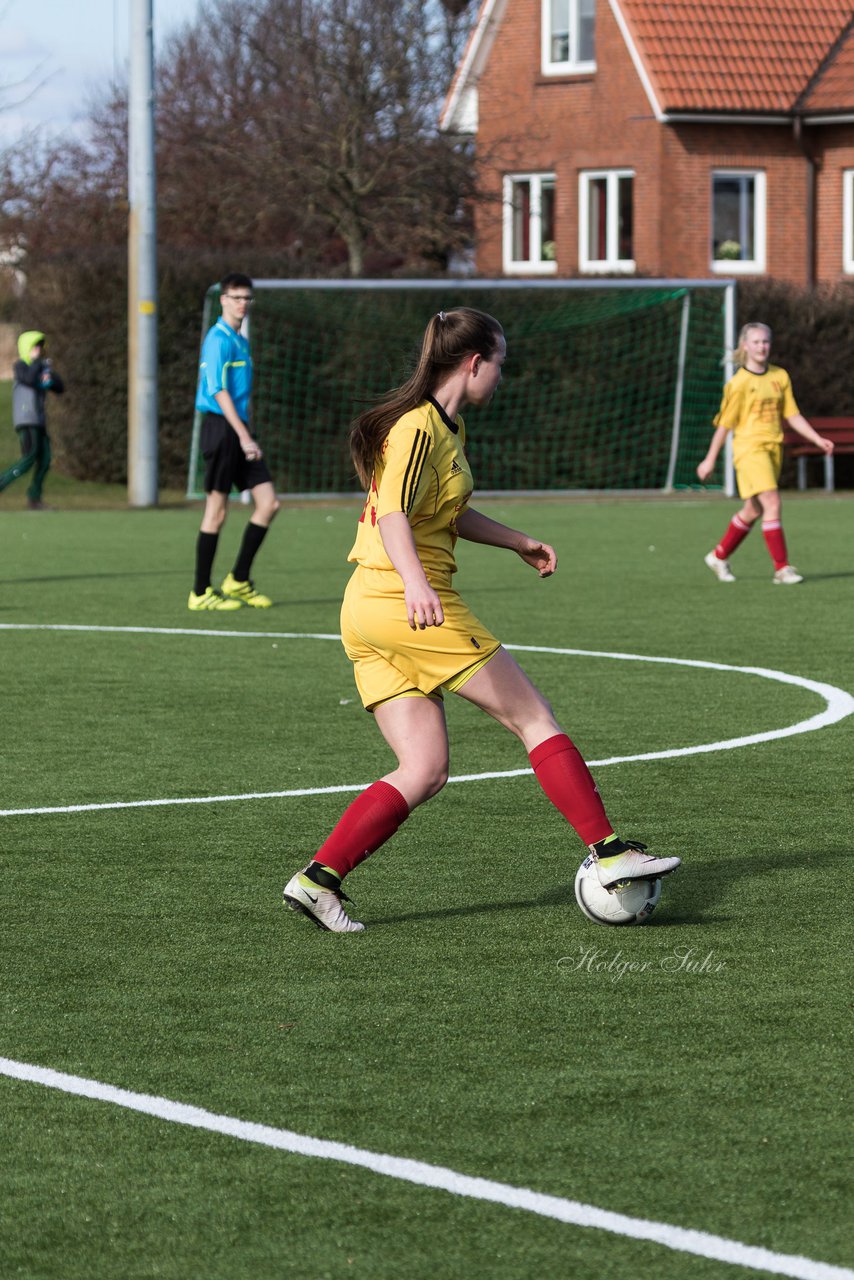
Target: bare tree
[[303, 127], [350, 92], [294, 136]]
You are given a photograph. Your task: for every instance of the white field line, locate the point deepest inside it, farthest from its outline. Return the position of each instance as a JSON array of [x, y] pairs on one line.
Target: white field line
[[838, 705], [168, 631], [573, 1212]]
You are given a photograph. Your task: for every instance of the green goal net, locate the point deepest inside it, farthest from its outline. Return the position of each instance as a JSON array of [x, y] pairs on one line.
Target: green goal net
[[606, 385]]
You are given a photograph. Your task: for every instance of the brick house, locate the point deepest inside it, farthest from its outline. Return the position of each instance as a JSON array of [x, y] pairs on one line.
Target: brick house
[[662, 137]]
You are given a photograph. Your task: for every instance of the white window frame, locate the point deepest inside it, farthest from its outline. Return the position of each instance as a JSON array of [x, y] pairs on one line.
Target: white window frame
[[612, 262], [531, 266], [848, 221], [572, 66], [757, 264]]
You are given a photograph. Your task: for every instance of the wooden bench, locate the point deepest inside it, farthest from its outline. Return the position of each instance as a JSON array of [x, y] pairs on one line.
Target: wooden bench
[[839, 430]]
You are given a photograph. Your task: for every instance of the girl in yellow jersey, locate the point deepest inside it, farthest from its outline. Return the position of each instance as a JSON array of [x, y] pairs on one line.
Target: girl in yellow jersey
[[410, 636], [757, 401]]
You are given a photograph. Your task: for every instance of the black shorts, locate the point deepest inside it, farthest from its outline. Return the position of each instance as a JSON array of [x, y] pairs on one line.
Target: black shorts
[[226, 465]]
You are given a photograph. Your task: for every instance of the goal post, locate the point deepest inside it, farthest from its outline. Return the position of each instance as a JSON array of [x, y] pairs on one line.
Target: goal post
[[608, 385]]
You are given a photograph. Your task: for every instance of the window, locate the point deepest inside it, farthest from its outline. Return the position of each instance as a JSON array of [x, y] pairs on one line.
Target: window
[[529, 223], [568, 44], [738, 222], [848, 221], [605, 221]]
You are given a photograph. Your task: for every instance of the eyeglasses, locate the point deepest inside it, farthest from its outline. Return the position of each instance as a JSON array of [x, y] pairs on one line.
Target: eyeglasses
[[240, 297]]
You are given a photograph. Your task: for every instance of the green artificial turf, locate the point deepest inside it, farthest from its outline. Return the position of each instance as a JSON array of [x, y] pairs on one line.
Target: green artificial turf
[[691, 1071]]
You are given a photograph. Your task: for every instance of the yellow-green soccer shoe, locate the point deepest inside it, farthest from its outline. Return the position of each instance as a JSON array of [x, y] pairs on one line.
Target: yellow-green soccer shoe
[[244, 592], [211, 599]]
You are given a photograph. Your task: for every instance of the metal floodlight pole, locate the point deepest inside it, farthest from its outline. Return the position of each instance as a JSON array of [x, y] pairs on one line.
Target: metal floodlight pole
[[142, 263], [729, 370]]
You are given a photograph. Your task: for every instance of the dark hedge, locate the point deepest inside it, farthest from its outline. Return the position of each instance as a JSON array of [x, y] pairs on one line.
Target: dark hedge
[[80, 301]]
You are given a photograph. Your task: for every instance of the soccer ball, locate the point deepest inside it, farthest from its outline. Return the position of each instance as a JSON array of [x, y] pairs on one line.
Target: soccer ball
[[632, 905]]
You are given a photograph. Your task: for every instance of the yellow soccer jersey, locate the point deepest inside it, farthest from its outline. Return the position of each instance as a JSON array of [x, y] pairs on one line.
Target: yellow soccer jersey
[[424, 473], [754, 406]]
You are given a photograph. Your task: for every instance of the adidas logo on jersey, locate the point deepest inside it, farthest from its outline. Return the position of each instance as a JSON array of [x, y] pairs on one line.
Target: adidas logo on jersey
[[456, 469]]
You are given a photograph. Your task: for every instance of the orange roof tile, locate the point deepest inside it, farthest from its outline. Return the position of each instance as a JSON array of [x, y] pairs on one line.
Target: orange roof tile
[[744, 55], [832, 90]]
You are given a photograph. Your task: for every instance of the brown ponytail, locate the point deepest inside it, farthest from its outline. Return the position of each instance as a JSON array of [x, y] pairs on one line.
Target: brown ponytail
[[450, 336]]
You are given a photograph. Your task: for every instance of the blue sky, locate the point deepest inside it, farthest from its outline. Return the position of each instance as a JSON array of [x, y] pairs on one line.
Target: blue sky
[[62, 51]]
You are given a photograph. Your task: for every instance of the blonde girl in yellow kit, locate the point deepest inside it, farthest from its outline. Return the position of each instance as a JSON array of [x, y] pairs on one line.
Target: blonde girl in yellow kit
[[757, 401]]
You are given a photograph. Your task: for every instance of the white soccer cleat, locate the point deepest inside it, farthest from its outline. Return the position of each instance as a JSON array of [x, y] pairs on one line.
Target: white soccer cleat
[[787, 576], [634, 863], [720, 568], [322, 906]]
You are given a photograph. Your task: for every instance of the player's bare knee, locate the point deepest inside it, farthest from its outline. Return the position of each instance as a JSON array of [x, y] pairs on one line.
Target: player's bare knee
[[214, 519], [266, 511], [433, 779], [546, 711], [537, 722], [441, 779]]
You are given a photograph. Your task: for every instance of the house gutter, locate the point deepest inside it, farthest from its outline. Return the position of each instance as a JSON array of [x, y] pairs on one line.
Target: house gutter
[[812, 169], [711, 117]]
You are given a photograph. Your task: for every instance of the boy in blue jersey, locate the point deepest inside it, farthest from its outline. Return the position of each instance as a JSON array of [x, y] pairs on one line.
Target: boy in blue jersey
[[232, 457]]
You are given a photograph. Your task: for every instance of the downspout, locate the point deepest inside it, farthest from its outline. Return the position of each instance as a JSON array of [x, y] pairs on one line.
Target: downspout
[[812, 169]]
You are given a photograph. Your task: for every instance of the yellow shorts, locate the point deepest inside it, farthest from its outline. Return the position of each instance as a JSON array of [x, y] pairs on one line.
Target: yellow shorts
[[759, 470], [391, 660]]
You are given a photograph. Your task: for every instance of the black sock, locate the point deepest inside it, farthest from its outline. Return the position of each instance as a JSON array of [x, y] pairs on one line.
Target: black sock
[[205, 552], [322, 875], [610, 847], [253, 536]]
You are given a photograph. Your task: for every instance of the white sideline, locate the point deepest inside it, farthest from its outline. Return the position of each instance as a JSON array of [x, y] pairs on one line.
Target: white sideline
[[838, 705], [574, 1212]]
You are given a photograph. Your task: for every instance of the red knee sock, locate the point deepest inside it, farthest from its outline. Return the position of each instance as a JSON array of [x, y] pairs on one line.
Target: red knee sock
[[775, 541], [368, 822], [737, 531], [568, 783]]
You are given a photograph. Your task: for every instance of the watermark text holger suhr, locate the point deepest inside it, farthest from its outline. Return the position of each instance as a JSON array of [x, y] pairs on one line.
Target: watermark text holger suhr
[[682, 960]]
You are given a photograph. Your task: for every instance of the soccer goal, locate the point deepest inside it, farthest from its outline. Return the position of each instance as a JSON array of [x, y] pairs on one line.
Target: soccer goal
[[608, 385]]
